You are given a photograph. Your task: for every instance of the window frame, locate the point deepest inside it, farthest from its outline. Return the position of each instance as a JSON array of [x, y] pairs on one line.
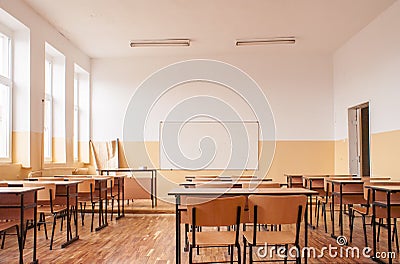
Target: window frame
[[8, 82], [49, 98], [76, 118]]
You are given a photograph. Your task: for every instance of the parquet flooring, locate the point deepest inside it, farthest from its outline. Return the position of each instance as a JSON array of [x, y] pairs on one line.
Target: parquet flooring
[[150, 238]]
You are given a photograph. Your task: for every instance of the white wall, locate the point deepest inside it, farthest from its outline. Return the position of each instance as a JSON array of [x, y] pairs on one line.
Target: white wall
[[40, 31], [367, 68], [298, 87]]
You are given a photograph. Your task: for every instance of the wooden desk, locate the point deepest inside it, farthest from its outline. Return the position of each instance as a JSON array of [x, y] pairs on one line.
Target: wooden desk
[[389, 190], [65, 191], [294, 181], [153, 182], [216, 192], [101, 187], [356, 195], [27, 199], [119, 181], [316, 183]]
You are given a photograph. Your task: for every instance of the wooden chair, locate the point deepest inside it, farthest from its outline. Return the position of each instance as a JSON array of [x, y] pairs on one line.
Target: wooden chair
[[87, 194], [215, 213], [258, 185], [111, 194], [46, 206], [5, 222], [365, 210], [267, 210], [324, 201]]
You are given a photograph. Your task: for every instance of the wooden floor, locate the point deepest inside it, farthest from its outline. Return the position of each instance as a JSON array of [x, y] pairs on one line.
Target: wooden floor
[[150, 238]]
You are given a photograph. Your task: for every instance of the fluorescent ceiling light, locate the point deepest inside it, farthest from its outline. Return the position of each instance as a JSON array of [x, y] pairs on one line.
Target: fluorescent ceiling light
[[160, 43], [266, 41]]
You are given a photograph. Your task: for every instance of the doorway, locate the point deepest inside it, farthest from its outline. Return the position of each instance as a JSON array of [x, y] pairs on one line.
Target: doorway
[[359, 140]]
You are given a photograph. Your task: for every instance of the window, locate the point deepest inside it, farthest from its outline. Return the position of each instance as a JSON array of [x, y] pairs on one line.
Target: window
[[81, 114], [48, 110], [5, 96], [76, 117]]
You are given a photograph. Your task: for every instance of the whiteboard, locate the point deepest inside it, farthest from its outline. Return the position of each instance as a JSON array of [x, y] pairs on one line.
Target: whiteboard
[[205, 145]]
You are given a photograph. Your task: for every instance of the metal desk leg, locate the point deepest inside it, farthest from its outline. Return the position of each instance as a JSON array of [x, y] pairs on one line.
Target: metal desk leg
[[388, 206], [69, 231], [333, 211], [311, 225], [34, 260], [306, 231], [155, 187], [341, 210], [373, 224], [178, 230], [21, 232]]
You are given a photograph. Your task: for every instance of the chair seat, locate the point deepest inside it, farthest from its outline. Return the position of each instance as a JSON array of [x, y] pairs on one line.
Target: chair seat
[[222, 238], [4, 225], [273, 238], [46, 209], [362, 210]]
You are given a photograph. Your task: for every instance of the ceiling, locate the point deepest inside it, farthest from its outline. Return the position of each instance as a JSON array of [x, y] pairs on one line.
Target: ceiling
[[104, 28]]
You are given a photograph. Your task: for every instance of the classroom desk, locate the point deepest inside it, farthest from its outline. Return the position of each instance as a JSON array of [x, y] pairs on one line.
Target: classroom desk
[[356, 196], [316, 183], [119, 181], [294, 181], [191, 184], [389, 190], [234, 184], [199, 192], [153, 182], [27, 200], [65, 191], [101, 188]]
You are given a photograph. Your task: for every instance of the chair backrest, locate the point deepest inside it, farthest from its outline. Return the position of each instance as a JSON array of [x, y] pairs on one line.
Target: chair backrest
[[215, 212], [48, 178], [224, 185], [275, 210], [44, 195], [258, 185], [328, 185]]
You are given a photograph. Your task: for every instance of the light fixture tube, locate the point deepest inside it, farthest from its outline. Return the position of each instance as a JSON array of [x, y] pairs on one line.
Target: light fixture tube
[[160, 43], [266, 41]]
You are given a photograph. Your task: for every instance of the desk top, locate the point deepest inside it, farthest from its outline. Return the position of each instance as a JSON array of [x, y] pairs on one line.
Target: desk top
[[19, 190], [125, 170], [386, 188], [345, 181], [293, 175], [315, 177], [241, 191], [61, 183]]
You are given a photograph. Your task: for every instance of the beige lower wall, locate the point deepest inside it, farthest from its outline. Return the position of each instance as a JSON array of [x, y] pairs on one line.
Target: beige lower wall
[[342, 156], [296, 157], [384, 155], [59, 150], [20, 148]]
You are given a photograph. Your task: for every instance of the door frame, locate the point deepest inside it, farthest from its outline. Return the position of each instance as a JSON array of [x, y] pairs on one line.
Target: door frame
[[355, 127]]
